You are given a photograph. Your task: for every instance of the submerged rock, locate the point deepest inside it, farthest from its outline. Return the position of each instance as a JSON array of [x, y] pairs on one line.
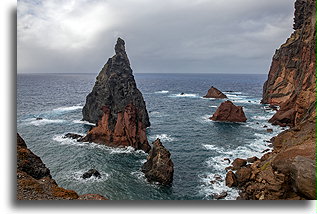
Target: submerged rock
[[220, 196], [73, 136], [215, 93], [117, 106], [90, 173], [159, 166], [228, 112]]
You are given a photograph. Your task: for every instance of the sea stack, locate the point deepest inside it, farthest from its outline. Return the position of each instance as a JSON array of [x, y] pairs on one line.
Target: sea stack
[[117, 106], [228, 112], [215, 93], [159, 166], [291, 79]]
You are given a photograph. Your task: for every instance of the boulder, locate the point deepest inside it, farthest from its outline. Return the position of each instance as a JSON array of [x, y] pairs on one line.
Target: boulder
[[228, 112], [117, 106], [252, 159], [231, 180], [243, 175], [90, 173], [238, 163], [215, 93], [159, 166]]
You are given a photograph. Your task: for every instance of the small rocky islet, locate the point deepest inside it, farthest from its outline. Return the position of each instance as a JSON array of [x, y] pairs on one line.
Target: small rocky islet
[[118, 109]]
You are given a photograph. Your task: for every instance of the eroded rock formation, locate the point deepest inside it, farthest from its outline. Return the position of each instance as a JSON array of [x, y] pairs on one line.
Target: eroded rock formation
[[228, 112], [159, 166], [291, 79], [215, 93], [289, 171], [34, 181], [117, 106]]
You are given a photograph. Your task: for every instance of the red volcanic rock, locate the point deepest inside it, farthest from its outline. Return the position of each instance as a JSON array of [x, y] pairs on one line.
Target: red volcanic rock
[[228, 112], [159, 166], [215, 93], [95, 197], [291, 79], [238, 163], [34, 181], [231, 180], [117, 106]]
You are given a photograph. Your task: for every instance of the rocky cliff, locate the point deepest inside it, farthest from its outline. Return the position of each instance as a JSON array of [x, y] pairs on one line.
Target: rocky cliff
[[117, 106], [34, 181], [288, 172], [291, 79]]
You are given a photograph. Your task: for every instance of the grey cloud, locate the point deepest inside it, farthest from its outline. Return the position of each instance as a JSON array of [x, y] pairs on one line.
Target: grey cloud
[[161, 36]]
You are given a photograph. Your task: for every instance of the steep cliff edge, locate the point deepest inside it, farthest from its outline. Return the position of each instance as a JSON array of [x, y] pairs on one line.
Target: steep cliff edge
[[289, 171], [117, 106], [291, 79], [34, 181]]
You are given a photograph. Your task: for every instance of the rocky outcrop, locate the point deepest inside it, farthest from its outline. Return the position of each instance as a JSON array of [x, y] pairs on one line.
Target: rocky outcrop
[[34, 181], [159, 166], [117, 106], [291, 79], [288, 172], [228, 112], [215, 93], [90, 173]]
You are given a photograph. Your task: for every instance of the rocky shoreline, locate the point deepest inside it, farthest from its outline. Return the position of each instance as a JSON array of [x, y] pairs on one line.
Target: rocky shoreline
[[288, 172], [34, 180]]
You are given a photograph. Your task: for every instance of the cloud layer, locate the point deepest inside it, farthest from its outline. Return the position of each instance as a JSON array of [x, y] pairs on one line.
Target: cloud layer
[[232, 36]]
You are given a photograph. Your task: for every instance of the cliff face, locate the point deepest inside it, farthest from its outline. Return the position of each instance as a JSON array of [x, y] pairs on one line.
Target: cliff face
[[291, 79], [117, 106], [289, 171], [34, 181]]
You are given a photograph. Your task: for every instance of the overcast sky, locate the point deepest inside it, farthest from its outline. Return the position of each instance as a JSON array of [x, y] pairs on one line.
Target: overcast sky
[[203, 36]]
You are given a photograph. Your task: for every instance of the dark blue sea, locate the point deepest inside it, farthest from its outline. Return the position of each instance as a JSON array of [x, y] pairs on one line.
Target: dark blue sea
[[198, 145]]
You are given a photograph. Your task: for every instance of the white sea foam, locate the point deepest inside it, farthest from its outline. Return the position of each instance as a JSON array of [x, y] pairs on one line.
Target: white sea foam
[[214, 106], [77, 175], [67, 108], [184, 95], [266, 117], [43, 121], [162, 137], [112, 150], [205, 119], [84, 122], [161, 92], [140, 175]]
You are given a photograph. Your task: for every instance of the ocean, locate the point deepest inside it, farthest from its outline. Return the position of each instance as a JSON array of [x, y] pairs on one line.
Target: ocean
[[198, 146]]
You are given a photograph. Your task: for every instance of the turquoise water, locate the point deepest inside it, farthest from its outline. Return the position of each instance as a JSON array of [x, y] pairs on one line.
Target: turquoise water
[[198, 145]]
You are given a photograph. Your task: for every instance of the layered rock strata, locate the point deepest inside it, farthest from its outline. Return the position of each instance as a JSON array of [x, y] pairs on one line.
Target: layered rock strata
[[291, 79], [228, 112], [34, 181], [289, 171], [215, 93], [117, 106], [159, 167]]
